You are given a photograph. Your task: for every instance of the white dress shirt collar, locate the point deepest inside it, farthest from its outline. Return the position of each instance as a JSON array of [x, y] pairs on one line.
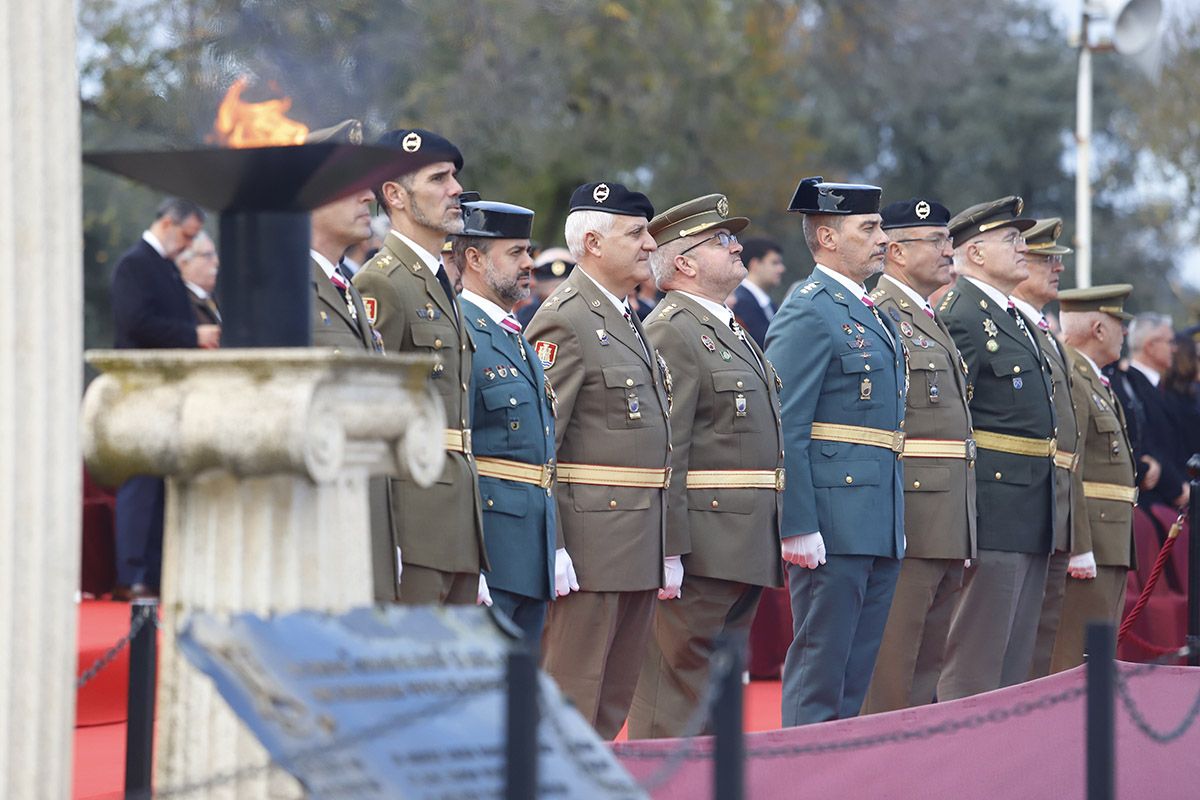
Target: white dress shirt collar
[[1153, 375], [716, 309], [1094, 365], [426, 257], [487, 306], [908, 290], [326, 265], [995, 294], [154, 242], [196, 290], [756, 291], [859, 290]]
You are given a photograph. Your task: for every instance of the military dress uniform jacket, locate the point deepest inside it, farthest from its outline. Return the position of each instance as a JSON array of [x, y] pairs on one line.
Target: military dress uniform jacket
[[1103, 521], [839, 366], [440, 527], [724, 417], [939, 492], [1066, 459], [332, 324], [1009, 387], [612, 411], [512, 418]]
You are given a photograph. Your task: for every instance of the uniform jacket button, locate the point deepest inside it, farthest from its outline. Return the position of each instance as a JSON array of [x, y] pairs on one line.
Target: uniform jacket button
[[999, 475], [715, 504], [437, 342], [849, 479], [629, 381], [490, 502], [612, 503], [916, 484]]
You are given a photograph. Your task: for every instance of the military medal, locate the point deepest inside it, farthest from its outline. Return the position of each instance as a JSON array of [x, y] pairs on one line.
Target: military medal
[[860, 342], [990, 328], [858, 327], [864, 389], [1100, 404], [551, 396], [846, 327], [1018, 382], [503, 370], [708, 343], [725, 355], [324, 318], [489, 373], [906, 328], [602, 335], [992, 345], [739, 404], [634, 406], [668, 383]]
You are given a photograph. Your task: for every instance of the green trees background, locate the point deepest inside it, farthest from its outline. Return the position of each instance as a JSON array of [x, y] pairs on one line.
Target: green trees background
[[963, 100]]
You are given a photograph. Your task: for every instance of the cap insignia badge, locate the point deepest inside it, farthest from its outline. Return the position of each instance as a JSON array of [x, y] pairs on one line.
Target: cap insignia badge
[[922, 210], [723, 207], [411, 143], [1020, 207], [600, 193]]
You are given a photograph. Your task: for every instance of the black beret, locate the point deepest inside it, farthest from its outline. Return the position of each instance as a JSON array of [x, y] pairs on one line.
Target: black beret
[[814, 196], [914, 213], [611, 197], [491, 220], [423, 147]]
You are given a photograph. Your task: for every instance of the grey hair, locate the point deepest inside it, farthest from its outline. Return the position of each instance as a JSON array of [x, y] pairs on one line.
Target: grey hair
[[189, 252], [1143, 326], [814, 221], [662, 262], [579, 223]]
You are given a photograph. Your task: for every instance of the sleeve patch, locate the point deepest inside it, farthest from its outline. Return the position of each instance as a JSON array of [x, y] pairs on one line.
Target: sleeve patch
[[372, 307], [546, 352]]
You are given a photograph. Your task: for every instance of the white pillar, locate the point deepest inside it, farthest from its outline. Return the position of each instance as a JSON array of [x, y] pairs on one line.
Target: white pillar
[[1083, 162], [267, 455], [41, 340]]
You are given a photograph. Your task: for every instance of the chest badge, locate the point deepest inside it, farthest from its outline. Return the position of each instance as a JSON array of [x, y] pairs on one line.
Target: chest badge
[[635, 406], [708, 343], [602, 335], [489, 373], [992, 345], [1018, 382], [429, 312], [989, 327], [726, 355], [502, 370], [846, 327], [739, 405], [906, 328], [864, 389]]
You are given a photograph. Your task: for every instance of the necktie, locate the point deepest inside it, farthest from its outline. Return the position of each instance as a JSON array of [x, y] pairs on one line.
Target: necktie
[[1107, 383], [741, 334], [928, 311], [1016, 315], [444, 280], [869, 303], [638, 336], [1043, 325], [511, 325]]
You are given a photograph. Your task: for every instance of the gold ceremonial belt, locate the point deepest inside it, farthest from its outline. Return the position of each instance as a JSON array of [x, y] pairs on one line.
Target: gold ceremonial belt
[[939, 448], [598, 475], [736, 479], [1065, 460], [1016, 445], [537, 474], [457, 441], [1110, 491], [856, 434]]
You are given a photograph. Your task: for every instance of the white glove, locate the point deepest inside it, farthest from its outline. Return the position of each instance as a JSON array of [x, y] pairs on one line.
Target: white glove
[[565, 579], [673, 571], [484, 598], [399, 566], [1082, 566], [806, 550]]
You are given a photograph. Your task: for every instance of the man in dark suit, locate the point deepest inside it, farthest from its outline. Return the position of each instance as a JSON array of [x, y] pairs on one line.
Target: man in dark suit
[[1151, 346], [198, 266], [750, 302], [151, 309]]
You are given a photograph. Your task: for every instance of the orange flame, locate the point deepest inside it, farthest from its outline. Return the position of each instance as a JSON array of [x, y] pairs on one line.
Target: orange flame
[[241, 124]]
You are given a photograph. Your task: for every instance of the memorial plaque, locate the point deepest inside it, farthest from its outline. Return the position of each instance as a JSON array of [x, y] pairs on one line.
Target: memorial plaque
[[396, 702]]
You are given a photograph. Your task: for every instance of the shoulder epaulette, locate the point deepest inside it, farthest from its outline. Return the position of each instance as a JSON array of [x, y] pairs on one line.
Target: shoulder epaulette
[[383, 260], [561, 296], [878, 294], [810, 289], [948, 300]]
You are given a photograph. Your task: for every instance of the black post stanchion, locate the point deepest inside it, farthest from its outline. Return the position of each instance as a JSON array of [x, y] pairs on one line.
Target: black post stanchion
[[1101, 731], [729, 749], [1193, 581], [521, 740], [143, 666]]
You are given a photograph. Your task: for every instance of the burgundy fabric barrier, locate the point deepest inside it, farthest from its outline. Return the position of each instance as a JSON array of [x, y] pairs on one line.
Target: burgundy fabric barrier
[[1040, 755], [98, 555]]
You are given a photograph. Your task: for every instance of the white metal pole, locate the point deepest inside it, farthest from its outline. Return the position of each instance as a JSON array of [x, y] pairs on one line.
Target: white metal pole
[[1083, 156]]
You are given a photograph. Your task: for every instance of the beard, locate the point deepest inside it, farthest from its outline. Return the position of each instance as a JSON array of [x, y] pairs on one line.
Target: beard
[[508, 288], [444, 224]]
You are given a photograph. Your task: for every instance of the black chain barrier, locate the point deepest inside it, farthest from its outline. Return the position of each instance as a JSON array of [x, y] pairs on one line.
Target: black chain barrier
[[1139, 718], [103, 661]]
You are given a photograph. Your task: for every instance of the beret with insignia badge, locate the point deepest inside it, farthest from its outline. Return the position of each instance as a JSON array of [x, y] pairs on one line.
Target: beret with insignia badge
[[706, 213], [914, 213], [983, 217], [1109, 299], [1042, 238], [815, 196], [611, 197], [423, 148]]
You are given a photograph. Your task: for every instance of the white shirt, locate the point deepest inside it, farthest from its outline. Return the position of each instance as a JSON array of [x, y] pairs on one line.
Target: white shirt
[[153, 241], [619, 302], [999, 297], [196, 290], [908, 290], [859, 290], [716, 309], [762, 298], [487, 306], [1028, 310], [428, 258], [1153, 375], [326, 265]]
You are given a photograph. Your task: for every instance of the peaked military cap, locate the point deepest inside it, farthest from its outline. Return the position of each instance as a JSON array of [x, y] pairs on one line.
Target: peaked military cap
[[1109, 298], [695, 216], [914, 213], [423, 148], [1042, 238], [815, 196], [554, 262], [468, 197], [491, 220], [982, 217], [349, 131], [611, 197]]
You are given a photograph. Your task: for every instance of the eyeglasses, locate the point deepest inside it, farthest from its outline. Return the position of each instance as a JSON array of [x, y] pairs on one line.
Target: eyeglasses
[[726, 239], [1013, 240], [938, 241]]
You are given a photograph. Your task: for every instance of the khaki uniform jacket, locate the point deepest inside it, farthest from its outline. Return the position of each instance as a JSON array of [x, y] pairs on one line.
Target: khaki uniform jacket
[[724, 416], [1104, 527], [1068, 433], [612, 410], [440, 527], [332, 324], [939, 493]]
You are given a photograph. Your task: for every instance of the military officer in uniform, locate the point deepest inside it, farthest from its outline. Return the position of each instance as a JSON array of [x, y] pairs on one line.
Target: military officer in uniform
[[1092, 322], [409, 299], [512, 429], [939, 459], [726, 464], [1032, 295], [613, 455], [842, 532], [993, 629]]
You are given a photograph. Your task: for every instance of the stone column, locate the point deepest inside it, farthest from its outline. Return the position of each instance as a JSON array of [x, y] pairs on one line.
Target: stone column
[[267, 455], [41, 341]]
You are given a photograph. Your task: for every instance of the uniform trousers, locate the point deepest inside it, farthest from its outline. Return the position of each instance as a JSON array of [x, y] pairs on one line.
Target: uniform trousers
[[422, 586], [914, 639], [593, 647], [1099, 599], [1052, 606], [527, 613], [675, 671], [994, 627], [383, 552], [838, 614], [139, 523]]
